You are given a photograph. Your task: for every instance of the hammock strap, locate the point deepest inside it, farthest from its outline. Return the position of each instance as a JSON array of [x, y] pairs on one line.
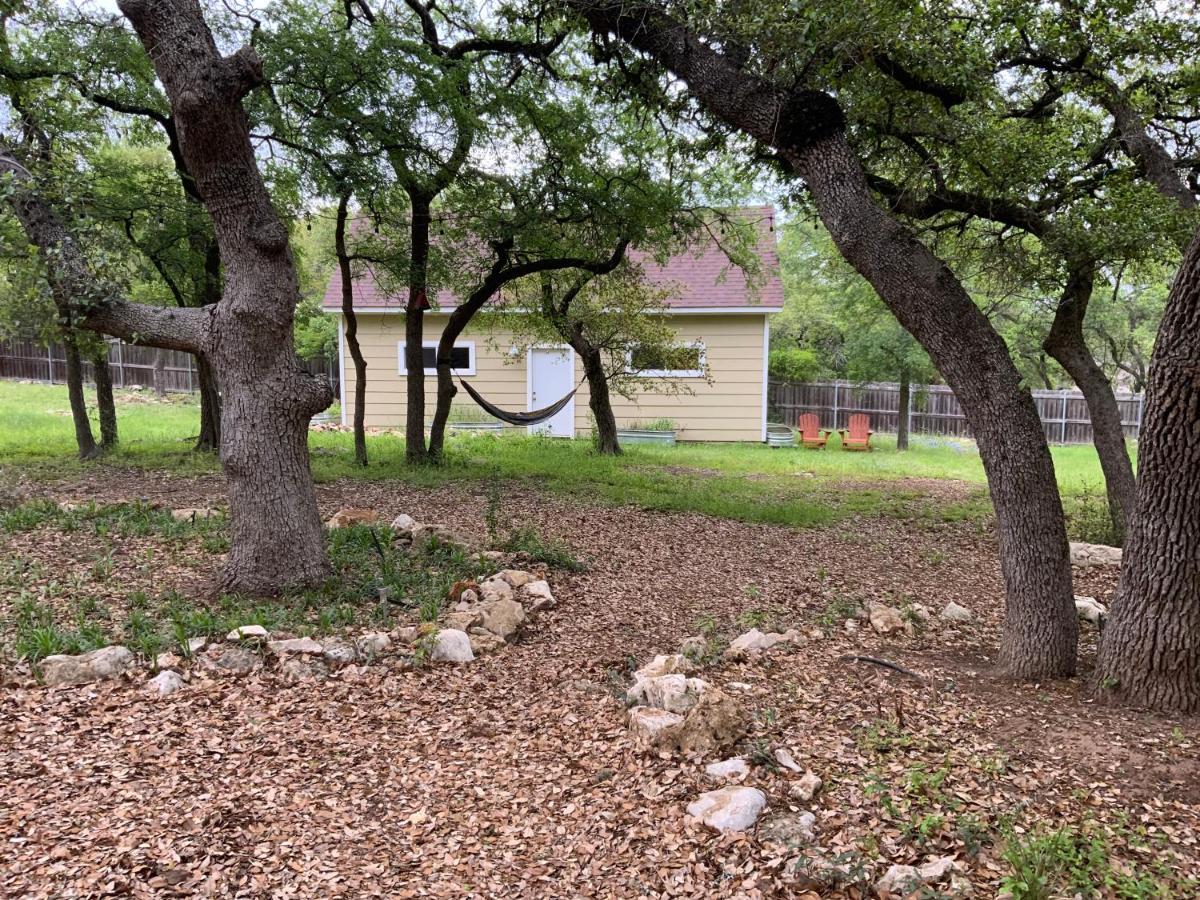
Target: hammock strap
[[533, 417]]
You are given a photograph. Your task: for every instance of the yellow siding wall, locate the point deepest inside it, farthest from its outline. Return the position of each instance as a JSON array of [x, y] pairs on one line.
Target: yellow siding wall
[[728, 407]]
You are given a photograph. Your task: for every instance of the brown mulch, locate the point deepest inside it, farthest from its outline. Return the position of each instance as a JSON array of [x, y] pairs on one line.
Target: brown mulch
[[515, 776]]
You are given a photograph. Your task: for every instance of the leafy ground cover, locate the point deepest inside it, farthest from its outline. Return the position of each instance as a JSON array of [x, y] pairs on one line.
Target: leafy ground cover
[[516, 775]]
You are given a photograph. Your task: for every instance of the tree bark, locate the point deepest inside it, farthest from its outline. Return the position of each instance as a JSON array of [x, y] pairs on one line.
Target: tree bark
[[350, 334], [806, 129], [599, 398], [277, 541], [905, 401], [209, 438], [1150, 653], [85, 442], [105, 405], [159, 372], [1065, 342], [415, 450]]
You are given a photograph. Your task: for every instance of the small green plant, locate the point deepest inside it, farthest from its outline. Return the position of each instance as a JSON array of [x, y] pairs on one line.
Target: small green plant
[[652, 425], [837, 610], [1089, 519], [762, 756], [753, 618], [708, 650], [553, 552]]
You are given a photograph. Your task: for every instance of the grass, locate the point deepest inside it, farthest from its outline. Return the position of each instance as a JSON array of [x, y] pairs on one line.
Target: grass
[[748, 482]]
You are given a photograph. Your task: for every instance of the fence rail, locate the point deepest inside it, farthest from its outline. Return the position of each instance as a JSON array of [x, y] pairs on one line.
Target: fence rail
[[131, 364], [934, 409]]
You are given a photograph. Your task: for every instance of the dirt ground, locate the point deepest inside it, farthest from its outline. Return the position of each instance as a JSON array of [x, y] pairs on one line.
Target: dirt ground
[[515, 776]]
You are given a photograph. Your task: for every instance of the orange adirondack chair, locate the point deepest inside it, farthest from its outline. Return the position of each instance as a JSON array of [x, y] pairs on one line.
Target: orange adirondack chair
[[858, 435], [812, 435]]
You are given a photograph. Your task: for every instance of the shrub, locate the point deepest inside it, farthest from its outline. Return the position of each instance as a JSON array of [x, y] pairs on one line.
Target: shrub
[[793, 364]]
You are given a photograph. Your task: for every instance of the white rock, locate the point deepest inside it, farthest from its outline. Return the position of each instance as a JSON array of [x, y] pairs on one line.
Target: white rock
[[303, 645], [469, 597], [850, 626], [785, 759], [167, 660], [196, 644], [665, 665], [107, 662], [372, 644], [539, 590], [937, 869], [648, 723], [452, 645], [740, 686], [1086, 555], [899, 880], [886, 620], [517, 577], [165, 683], [403, 524], [1091, 609], [495, 589], [340, 654], [729, 809], [753, 641], [806, 787], [247, 632], [190, 514], [728, 769], [504, 618], [675, 693], [406, 634], [955, 613]]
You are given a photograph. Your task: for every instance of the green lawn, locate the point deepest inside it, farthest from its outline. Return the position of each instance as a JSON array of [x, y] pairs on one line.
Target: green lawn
[[742, 481]]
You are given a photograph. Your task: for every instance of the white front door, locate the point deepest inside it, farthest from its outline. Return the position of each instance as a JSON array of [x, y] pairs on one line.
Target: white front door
[[551, 377]]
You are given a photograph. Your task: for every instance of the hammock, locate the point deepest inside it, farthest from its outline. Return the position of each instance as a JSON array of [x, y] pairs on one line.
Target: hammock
[[518, 418]]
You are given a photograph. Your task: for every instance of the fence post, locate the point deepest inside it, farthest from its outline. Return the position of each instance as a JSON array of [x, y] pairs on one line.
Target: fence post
[[1137, 429], [1063, 425], [835, 404], [120, 364], [50, 362]]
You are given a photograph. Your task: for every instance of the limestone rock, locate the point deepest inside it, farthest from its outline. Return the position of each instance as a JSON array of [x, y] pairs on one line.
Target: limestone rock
[[1086, 555], [955, 613], [665, 665], [196, 644], [372, 644], [423, 535], [463, 619], [403, 524], [652, 726], [344, 518], [787, 761], [935, 870], [247, 633], [303, 667], [734, 769], [714, 724], [470, 596], [107, 662], [167, 660], [339, 654], [675, 693], [539, 591], [504, 618], [516, 577], [304, 645], [753, 641], [193, 514], [482, 644], [406, 634], [495, 589], [165, 683], [453, 646], [885, 620], [729, 809], [899, 880], [237, 660], [1091, 609], [694, 647], [806, 787]]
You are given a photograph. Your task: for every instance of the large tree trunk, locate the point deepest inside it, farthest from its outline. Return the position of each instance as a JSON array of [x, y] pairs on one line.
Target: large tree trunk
[[105, 405], [1150, 654], [599, 398], [210, 406], [905, 401], [350, 333], [1067, 345], [414, 333], [84, 440], [277, 541], [806, 129]]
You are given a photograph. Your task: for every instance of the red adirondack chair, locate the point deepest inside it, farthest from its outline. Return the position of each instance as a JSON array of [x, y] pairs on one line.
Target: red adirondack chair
[[858, 435], [812, 435]]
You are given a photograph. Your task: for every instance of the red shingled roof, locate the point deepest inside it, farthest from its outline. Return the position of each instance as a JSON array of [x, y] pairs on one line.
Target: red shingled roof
[[701, 278]]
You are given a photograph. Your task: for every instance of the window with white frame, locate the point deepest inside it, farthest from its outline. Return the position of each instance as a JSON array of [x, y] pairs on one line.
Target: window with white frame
[[462, 358], [680, 361]]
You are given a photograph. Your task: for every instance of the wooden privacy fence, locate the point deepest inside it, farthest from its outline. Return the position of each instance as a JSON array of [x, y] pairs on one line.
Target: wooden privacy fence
[[131, 364], [934, 409]]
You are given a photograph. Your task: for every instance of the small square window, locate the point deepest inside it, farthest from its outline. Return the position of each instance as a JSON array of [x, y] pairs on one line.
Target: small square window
[[682, 361]]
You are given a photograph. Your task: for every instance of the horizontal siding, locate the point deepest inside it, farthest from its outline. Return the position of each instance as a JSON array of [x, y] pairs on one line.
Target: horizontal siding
[[727, 408]]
